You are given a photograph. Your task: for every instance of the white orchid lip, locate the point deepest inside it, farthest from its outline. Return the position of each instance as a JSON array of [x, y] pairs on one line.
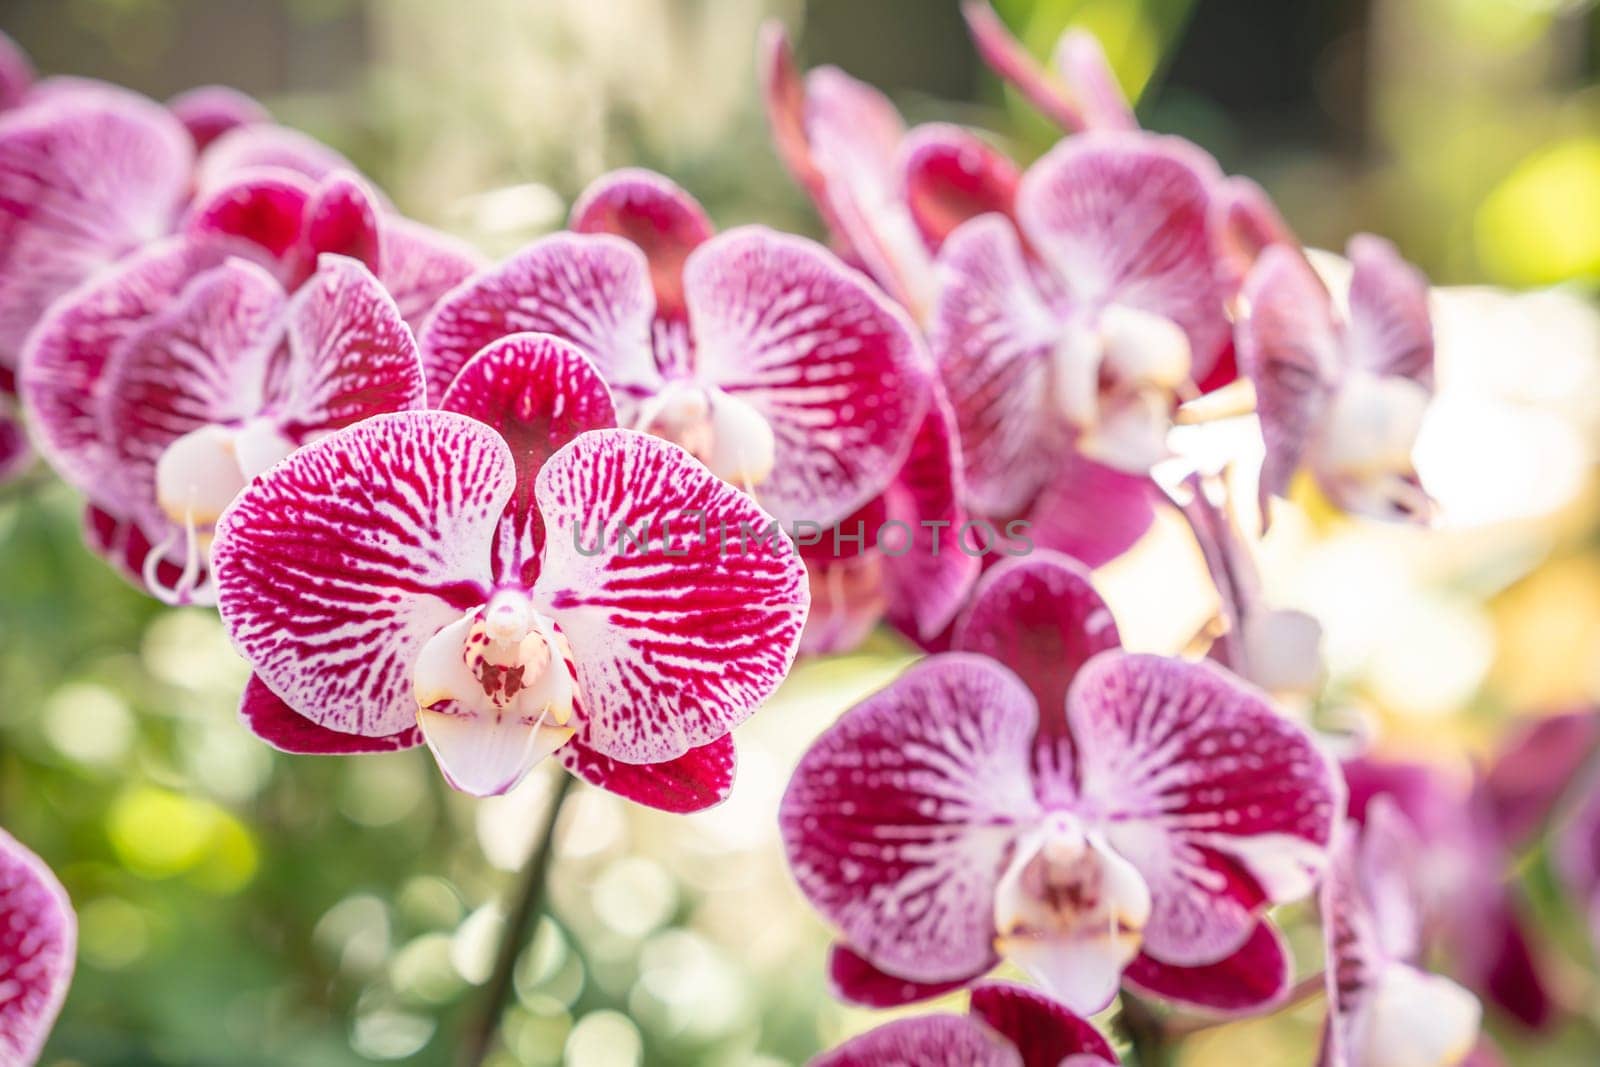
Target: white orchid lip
[[494, 696], [1416, 1019], [722, 431], [1071, 912]]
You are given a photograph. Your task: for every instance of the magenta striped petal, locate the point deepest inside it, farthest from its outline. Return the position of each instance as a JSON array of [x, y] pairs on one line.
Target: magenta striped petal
[[209, 111], [337, 565], [1124, 218], [1045, 1033], [835, 369], [85, 177], [592, 289], [1391, 332], [899, 819], [696, 780], [1244, 222], [855, 981], [653, 213], [342, 218], [1089, 511], [678, 640], [16, 73], [350, 355], [1223, 805], [265, 207], [990, 334], [1251, 981], [1040, 616], [949, 176], [265, 145], [265, 714], [925, 1041], [38, 947], [200, 362], [420, 265], [1289, 348], [927, 584], [539, 392]]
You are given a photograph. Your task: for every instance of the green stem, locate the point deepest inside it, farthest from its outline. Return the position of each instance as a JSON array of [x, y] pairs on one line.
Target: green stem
[[480, 1034], [1144, 1029]]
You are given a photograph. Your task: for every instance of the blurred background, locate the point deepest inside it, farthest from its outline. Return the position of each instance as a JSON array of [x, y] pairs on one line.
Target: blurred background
[[240, 907]]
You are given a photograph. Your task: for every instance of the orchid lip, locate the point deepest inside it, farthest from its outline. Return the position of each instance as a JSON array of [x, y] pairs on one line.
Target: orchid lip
[[1416, 1019], [494, 694]]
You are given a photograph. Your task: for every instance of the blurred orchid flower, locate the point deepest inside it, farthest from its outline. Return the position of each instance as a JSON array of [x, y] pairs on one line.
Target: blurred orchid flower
[[38, 948], [1341, 390], [460, 574], [1081, 93], [942, 824], [779, 368], [1278, 649], [1007, 1026], [1384, 1010], [888, 197], [209, 111]]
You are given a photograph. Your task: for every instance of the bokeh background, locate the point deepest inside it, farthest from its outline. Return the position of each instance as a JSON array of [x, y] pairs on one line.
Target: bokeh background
[[239, 907]]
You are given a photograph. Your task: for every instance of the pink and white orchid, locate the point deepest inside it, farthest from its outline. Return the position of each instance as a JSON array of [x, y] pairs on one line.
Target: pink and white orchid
[[38, 946], [1384, 1010], [1142, 823], [778, 367], [467, 572], [1007, 1026], [1341, 385]]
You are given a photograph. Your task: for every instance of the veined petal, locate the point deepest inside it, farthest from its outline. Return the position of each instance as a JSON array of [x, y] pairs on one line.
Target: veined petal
[[539, 392], [209, 111], [1288, 344], [201, 362], [990, 334], [65, 359], [1089, 511], [420, 265], [1091, 84], [1244, 222], [855, 981], [38, 947], [1391, 332], [679, 634], [654, 213], [265, 714], [899, 818], [696, 780], [928, 582], [1123, 218], [1249, 982], [1040, 616], [85, 178], [951, 175], [1043, 1031], [835, 370], [924, 1041], [1006, 56], [1223, 805], [350, 355], [335, 567], [590, 289], [265, 206], [342, 218], [265, 145]]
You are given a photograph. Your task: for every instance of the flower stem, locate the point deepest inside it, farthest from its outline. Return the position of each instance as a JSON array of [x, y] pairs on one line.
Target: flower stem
[[479, 1038], [1145, 1032]]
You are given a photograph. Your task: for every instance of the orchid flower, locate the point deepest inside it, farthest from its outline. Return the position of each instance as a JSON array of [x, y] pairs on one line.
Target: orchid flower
[[889, 197], [210, 111], [952, 819], [779, 368], [1278, 649], [160, 418], [1341, 386], [1007, 1026], [1384, 1010], [38, 947], [463, 573], [1080, 93]]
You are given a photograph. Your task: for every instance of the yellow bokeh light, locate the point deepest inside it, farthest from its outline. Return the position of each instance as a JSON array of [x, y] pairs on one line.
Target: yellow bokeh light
[[1541, 225]]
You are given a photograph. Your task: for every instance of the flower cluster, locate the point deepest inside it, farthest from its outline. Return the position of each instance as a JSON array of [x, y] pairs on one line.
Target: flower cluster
[[403, 475]]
